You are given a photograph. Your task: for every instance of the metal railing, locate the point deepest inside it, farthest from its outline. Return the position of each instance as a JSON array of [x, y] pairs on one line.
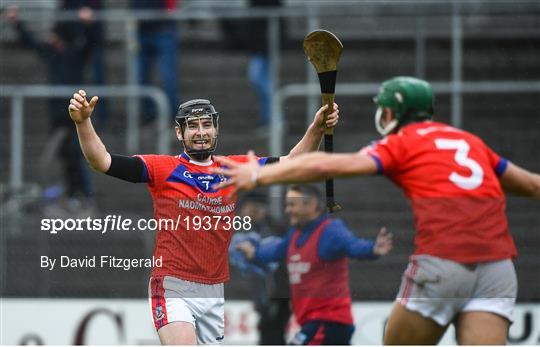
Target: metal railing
[[19, 93], [313, 12]]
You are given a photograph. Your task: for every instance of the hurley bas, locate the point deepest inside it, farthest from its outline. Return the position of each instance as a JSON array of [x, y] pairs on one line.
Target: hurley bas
[[104, 261]]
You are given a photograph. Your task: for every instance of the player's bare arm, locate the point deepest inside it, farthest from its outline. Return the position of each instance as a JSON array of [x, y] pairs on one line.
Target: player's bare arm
[[314, 134], [519, 181], [80, 110], [309, 167]]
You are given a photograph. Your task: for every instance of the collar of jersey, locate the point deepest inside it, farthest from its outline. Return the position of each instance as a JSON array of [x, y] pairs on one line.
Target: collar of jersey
[[191, 161]]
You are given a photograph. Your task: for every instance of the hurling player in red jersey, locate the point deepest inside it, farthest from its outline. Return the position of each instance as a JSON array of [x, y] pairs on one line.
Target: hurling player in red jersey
[[186, 292], [461, 271]]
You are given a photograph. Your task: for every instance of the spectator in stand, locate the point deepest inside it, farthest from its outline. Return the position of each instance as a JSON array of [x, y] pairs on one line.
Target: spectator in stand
[[64, 52], [251, 35], [158, 43], [259, 63], [96, 30]]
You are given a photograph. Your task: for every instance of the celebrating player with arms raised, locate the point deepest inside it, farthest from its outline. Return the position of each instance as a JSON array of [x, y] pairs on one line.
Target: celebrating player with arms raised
[[187, 291], [461, 270]]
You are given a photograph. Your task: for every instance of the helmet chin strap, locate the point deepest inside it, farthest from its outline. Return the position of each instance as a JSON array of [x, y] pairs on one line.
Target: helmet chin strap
[[378, 124], [199, 154]]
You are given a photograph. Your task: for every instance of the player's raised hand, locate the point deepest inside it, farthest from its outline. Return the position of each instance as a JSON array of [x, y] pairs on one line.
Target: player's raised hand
[[383, 243], [242, 175], [79, 108], [331, 119]]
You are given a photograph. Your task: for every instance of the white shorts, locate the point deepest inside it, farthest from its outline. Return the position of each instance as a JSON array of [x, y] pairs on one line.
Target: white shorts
[[440, 289], [176, 300]]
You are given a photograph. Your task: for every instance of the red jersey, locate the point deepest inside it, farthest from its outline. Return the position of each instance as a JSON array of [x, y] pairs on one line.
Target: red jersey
[[194, 246], [450, 177], [319, 288]]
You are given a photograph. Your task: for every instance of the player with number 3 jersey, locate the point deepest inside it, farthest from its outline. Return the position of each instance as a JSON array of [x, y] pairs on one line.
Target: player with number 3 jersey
[[441, 168], [461, 271]]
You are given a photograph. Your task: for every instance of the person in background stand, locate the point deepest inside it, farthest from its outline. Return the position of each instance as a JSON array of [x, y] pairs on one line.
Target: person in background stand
[[158, 43], [259, 63], [251, 35], [96, 31], [64, 53]]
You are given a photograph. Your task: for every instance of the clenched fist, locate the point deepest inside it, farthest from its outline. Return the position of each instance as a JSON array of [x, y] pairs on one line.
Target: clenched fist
[[331, 119], [80, 109]]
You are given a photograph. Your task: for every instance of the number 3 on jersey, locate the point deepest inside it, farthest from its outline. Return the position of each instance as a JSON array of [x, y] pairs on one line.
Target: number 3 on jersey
[[462, 149]]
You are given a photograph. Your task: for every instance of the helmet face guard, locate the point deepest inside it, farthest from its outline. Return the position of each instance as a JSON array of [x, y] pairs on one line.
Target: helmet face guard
[[197, 110], [382, 128], [409, 98]]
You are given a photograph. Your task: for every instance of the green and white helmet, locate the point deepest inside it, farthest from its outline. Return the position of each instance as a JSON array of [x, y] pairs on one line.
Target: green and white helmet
[[409, 98]]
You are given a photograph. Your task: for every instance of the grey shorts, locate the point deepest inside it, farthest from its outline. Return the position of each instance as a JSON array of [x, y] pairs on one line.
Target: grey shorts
[[176, 300], [440, 289]]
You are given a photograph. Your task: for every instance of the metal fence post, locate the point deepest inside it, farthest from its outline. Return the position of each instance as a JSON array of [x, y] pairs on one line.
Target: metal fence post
[[312, 101], [457, 66], [17, 148], [132, 106], [420, 48], [276, 116]]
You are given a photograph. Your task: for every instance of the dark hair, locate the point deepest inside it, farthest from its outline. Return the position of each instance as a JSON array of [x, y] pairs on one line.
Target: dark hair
[[309, 191]]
